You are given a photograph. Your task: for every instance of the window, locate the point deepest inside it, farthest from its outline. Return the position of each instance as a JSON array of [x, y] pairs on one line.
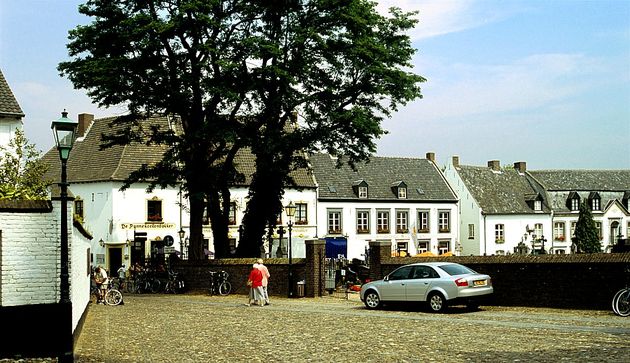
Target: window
[[628, 231], [363, 221], [402, 192], [443, 247], [499, 233], [573, 224], [425, 272], [301, 215], [154, 210], [598, 225], [575, 204], [423, 246], [538, 230], [334, 221], [232, 216], [471, 231], [402, 218], [537, 205], [402, 247], [78, 208], [558, 231], [444, 221], [596, 204], [363, 192], [402, 273], [382, 221], [423, 221]]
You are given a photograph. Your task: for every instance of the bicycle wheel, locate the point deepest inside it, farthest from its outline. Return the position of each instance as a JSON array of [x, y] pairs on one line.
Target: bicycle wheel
[[622, 304], [155, 286], [614, 300], [113, 297], [225, 288]]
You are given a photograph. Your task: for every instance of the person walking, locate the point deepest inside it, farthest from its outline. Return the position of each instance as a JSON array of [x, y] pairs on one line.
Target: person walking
[[265, 280], [254, 281]]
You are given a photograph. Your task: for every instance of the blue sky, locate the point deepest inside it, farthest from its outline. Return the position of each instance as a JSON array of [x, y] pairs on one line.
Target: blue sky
[[546, 82]]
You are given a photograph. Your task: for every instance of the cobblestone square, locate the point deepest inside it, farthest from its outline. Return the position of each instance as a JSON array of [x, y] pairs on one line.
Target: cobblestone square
[[198, 328]]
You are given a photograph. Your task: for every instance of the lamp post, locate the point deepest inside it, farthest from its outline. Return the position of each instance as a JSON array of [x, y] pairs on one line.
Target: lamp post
[[542, 249], [63, 130], [181, 234], [290, 211]]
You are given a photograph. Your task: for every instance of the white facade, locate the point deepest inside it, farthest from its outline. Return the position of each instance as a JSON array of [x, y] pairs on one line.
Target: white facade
[[405, 236], [8, 126]]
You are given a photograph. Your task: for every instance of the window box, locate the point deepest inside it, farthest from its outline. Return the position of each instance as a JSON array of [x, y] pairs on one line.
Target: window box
[[382, 230], [154, 218], [559, 238], [334, 231], [402, 230], [445, 230], [499, 240]]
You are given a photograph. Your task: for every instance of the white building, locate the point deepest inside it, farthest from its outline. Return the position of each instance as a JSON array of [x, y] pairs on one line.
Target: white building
[[403, 200], [120, 221], [508, 210], [10, 113], [606, 192], [499, 208]]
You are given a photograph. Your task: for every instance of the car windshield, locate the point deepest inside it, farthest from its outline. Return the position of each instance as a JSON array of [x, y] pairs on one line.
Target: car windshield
[[456, 270]]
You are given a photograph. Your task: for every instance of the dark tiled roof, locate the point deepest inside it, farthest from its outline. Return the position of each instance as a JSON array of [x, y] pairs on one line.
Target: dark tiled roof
[[505, 192], [379, 174], [583, 180], [8, 103], [609, 185], [88, 163]]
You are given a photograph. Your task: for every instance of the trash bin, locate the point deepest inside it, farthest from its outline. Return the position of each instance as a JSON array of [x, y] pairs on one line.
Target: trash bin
[[300, 289]]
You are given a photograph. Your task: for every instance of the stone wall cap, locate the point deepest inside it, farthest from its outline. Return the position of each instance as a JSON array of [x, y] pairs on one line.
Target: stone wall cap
[[381, 243], [315, 241]]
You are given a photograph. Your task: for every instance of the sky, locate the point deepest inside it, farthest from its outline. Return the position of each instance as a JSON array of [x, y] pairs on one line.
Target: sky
[[545, 82]]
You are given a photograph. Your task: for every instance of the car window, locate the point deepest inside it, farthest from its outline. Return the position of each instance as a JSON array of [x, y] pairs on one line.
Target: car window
[[424, 272], [401, 274], [456, 269]]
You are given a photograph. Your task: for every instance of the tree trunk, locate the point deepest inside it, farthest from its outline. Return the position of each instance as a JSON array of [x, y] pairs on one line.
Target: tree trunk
[[219, 223]]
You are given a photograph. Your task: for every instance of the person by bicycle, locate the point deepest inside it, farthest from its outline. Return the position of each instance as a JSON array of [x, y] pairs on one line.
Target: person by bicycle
[[101, 281]]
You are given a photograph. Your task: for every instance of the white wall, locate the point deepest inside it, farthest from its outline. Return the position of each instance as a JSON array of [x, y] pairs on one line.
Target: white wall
[[515, 228], [7, 129], [358, 241]]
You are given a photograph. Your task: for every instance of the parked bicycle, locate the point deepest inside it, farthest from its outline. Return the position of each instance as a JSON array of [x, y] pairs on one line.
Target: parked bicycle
[[174, 285], [621, 300], [112, 296], [219, 284]]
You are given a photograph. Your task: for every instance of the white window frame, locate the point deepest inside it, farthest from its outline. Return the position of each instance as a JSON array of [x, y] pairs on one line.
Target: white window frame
[[402, 193], [382, 220], [444, 246], [471, 231], [363, 221], [424, 246], [444, 220], [363, 192], [499, 233], [424, 218], [402, 221], [334, 220], [559, 231]]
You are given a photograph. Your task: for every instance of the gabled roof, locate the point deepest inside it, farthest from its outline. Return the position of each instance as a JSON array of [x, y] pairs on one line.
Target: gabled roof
[[87, 163], [505, 192], [380, 173], [8, 104]]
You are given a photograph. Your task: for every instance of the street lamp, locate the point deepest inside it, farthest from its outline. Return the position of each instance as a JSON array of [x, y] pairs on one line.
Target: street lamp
[[290, 211], [181, 234], [63, 130]]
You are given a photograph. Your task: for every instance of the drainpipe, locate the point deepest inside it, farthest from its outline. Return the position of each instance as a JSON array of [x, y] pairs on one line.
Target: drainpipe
[[485, 235]]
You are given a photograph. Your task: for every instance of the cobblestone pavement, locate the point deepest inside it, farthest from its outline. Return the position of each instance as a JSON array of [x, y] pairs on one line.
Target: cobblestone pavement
[[198, 328]]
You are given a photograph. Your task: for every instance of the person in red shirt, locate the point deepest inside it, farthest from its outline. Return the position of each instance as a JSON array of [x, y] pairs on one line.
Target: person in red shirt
[[256, 290]]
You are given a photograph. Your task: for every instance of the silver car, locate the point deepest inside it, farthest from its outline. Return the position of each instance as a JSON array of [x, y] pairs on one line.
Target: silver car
[[438, 283]]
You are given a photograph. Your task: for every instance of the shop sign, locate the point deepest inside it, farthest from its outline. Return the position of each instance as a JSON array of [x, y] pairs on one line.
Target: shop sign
[[147, 225]]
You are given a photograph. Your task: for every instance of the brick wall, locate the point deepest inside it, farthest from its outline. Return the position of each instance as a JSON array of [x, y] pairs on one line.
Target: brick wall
[[581, 281]]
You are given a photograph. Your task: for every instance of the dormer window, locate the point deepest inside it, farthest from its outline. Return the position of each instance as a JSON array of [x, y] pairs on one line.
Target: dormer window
[[400, 189], [360, 188], [534, 201], [626, 200], [595, 201], [573, 202]]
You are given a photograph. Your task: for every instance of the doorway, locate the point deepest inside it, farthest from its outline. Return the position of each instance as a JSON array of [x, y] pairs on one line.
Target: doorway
[[115, 259]]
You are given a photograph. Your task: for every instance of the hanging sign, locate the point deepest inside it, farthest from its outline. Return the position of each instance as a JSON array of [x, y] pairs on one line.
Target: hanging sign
[[147, 225]]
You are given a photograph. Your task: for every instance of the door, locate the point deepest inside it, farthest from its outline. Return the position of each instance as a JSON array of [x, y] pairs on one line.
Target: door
[[115, 260], [394, 288], [422, 278]]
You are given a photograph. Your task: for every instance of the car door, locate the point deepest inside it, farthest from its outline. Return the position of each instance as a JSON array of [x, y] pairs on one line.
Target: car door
[[421, 279], [393, 288]]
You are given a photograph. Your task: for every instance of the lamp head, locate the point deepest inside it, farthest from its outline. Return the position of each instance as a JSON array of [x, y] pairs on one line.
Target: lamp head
[[63, 130]]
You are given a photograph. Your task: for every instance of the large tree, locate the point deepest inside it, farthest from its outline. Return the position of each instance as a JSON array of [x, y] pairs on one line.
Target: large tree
[[232, 73], [586, 234], [21, 170]]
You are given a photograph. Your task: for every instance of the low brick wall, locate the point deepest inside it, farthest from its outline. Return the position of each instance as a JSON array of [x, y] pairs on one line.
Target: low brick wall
[[581, 281], [196, 274]]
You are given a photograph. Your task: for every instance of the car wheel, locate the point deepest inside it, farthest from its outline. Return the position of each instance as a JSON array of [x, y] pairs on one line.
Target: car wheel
[[437, 302], [372, 300]]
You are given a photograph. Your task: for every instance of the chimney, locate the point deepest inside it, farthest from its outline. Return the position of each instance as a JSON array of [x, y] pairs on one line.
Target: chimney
[[494, 165], [456, 161], [520, 166], [85, 120], [431, 156]]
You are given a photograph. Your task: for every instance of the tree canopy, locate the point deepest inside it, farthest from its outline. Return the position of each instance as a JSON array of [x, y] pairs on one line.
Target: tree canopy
[[21, 170], [233, 73]]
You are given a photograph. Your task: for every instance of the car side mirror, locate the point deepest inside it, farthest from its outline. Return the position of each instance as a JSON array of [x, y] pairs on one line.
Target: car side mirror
[[386, 278]]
